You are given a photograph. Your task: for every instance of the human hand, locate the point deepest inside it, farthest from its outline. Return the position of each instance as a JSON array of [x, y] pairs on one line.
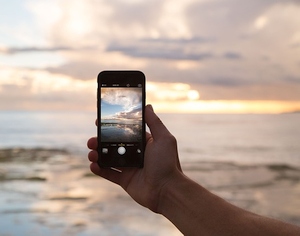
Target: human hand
[[161, 164], [162, 187]]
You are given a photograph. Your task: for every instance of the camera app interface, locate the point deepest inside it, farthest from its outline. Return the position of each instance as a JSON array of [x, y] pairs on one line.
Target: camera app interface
[[121, 115]]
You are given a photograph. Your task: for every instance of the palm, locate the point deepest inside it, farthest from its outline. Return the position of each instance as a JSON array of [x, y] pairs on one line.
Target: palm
[[144, 185]]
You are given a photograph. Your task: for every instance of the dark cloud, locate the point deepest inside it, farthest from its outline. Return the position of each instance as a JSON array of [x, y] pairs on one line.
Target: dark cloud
[[225, 81], [232, 56], [14, 50], [292, 79], [296, 2], [164, 48], [178, 41], [172, 49], [220, 73], [175, 54]]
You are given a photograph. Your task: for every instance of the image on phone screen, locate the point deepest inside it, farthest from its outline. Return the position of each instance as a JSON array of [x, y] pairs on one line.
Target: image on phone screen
[[121, 114]]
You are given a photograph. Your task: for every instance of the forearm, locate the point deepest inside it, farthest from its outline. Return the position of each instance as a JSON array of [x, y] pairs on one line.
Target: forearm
[[193, 209], [196, 211]]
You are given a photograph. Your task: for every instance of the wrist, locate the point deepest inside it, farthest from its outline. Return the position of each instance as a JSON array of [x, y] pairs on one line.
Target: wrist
[[185, 203], [168, 191]]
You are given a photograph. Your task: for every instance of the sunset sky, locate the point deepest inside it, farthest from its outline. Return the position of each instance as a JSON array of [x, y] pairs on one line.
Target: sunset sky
[[210, 56]]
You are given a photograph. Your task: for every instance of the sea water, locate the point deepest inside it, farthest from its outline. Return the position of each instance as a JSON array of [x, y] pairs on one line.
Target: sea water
[[241, 138], [57, 129], [250, 160]]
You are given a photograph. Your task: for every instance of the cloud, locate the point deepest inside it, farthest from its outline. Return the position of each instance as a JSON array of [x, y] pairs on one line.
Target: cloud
[[218, 46], [170, 92], [14, 50], [129, 98], [120, 103], [228, 18], [164, 48], [40, 90], [161, 52], [135, 114], [84, 70], [233, 55]]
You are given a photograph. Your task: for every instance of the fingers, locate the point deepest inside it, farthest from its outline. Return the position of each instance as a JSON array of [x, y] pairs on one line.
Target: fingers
[[114, 175], [93, 156], [92, 143], [108, 174], [155, 125]]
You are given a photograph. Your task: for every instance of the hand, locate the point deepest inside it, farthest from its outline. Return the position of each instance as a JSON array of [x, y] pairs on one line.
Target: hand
[[162, 187], [161, 165]]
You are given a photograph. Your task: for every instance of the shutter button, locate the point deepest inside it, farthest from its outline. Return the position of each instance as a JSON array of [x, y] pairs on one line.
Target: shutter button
[[121, 150]]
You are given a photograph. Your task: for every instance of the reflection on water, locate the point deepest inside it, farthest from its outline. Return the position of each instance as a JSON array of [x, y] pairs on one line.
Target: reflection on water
[[121, 132], [52, 192]]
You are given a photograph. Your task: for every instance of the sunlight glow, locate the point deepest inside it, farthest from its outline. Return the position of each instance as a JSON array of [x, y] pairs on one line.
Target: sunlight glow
[[79, 25], [187, 65], [261, 22], [170, 92], [193, 95], [227, 107]]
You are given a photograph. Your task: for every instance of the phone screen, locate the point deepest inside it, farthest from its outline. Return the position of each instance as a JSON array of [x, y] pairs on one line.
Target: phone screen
[[121, 130]]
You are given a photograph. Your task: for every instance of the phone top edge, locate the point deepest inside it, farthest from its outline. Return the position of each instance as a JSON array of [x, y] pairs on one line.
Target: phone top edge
[[111, 72], [115, 75]]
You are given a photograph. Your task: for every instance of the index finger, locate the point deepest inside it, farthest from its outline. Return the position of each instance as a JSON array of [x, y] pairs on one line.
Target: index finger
[[92, 143]]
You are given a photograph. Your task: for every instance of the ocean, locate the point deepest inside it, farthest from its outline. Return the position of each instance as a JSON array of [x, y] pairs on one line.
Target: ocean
[[46, 186], [61, 130], [240, 138]]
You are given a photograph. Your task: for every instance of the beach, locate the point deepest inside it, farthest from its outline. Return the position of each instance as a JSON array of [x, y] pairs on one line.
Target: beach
[[47, 192], [47, 188], [50, 192]]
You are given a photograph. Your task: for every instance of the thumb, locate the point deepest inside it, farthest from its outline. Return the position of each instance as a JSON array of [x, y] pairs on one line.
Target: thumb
[[156, 126]]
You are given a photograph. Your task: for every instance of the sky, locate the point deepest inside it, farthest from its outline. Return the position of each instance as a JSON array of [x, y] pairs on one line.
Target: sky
[[199, 56], [121, 103]]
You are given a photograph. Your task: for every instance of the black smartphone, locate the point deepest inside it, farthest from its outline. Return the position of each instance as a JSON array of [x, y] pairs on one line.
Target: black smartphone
[[121, 122]]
